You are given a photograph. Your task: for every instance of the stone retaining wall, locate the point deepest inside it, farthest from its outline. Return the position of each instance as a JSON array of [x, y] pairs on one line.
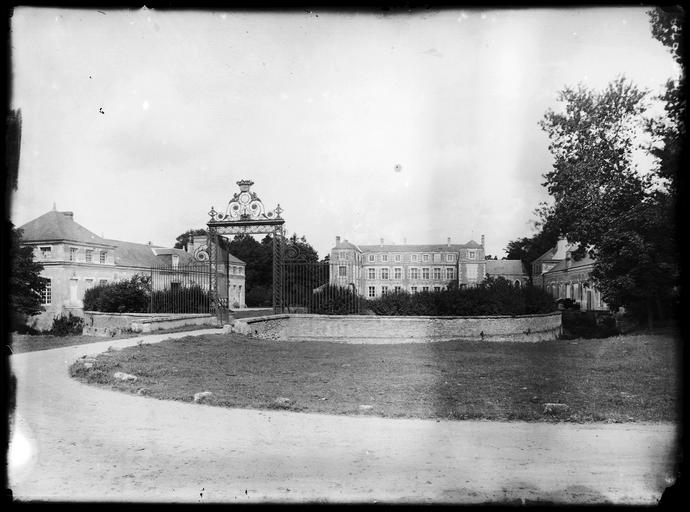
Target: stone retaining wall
[[401, 329], [109, 324]]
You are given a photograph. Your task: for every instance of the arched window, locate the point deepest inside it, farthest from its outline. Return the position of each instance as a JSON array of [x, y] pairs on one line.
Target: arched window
[[517, 283]]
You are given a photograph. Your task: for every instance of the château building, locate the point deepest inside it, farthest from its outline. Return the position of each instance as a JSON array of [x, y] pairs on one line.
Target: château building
[[385, 268], [75, 259]]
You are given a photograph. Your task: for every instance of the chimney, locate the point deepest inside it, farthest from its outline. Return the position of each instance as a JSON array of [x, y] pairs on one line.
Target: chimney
[[482, 240], [448, 241], [337, 241], [382, 242]]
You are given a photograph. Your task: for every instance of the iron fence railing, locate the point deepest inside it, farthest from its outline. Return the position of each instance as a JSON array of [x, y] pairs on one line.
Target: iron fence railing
[[180, 289], [321, 288]]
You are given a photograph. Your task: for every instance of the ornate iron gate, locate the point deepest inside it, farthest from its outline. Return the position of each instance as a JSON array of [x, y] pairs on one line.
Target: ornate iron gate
[[244, 214], [310, 287]]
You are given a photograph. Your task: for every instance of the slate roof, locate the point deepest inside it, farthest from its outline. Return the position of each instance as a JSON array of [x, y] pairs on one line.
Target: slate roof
[[505, 267], [55, 226], [60, 226], [574, 264], [419, 248], [557, 252]]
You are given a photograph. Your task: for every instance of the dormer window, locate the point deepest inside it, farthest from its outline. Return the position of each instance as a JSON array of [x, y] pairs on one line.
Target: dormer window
[[472, 255], [175, 260], [371, 257], [384, 257]]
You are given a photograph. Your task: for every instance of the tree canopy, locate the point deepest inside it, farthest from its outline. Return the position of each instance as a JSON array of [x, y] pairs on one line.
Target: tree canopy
[[26, 283]]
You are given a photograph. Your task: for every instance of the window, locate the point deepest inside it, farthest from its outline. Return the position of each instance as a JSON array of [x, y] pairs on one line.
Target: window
[[89, 283], [449, 258], [397, 289], [425, 288], [89, 255], [371, 257], [102, 282], [342, 271], [397, 273], [46, 252], [450, 273], [472, 255], [372, 291], [371, 273], [102, 257], [414, 257], [47, 292], [397, 257], [437, 273], [73, 254], [437, 288], [384, 290], [384, 257], [176, 260], [384, 273], [414, 273], [425, 273], [413, 289], [426, 257]]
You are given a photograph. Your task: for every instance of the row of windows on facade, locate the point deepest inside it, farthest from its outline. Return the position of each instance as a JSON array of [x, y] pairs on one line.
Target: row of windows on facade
[[371, 290], [413, 273], [47, 291], [47, 254], [384, 258]]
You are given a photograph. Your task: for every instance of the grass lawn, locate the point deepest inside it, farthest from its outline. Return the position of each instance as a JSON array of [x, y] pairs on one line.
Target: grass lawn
[[30, 343], [625, 378]]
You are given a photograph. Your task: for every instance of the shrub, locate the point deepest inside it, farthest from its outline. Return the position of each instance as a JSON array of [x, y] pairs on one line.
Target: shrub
[[336, 300], [69, 325], [588, 324], [494, 296], [130, 296]]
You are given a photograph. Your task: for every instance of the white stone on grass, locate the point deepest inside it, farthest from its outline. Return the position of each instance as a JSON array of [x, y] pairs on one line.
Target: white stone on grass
[[366, 407], [200, 397], [128, 377]]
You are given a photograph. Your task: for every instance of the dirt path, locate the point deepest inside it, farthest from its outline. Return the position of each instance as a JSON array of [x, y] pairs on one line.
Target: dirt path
[[77, 442]]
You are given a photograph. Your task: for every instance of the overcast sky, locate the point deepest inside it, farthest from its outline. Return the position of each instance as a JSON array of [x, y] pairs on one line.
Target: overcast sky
[[140, 121]]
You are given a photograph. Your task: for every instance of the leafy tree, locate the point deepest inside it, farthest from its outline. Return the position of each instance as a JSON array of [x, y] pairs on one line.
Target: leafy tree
[[603, 202], [528, 249], [669, 133], [26, 283]]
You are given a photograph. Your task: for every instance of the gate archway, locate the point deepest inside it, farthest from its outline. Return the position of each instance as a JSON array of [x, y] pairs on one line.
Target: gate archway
[[244, 214]]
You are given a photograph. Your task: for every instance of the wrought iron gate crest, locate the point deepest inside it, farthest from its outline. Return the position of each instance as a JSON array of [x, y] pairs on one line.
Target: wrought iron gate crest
[[244, 214]]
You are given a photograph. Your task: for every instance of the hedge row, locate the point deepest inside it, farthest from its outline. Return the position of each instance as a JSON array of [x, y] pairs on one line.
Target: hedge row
[[494, 296]]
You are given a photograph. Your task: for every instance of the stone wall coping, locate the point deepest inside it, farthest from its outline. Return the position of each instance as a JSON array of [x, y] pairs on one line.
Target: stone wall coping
[[151, 315], [392, 317]]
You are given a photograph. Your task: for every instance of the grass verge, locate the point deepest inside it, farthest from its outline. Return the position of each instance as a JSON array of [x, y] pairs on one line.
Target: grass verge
[[30, 343], [624, 378]]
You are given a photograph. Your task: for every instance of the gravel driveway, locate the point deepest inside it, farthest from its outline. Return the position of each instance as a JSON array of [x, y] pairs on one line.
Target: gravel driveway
[[73, 442]]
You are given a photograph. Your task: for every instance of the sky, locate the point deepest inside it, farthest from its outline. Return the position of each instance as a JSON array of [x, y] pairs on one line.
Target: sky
[[414, 127]]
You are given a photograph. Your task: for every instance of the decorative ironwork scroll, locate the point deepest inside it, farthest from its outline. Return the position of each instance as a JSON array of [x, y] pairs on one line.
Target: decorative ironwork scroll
[[244, 214], [201, 253], [245, 205]]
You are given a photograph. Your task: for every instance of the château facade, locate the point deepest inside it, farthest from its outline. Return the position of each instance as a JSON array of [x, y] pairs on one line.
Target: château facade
[[385, 268]]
